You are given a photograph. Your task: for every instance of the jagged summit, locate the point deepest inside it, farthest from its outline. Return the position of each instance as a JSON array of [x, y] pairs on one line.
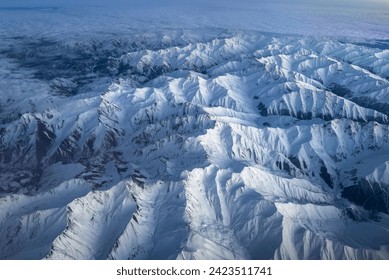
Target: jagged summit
[[231, 145]]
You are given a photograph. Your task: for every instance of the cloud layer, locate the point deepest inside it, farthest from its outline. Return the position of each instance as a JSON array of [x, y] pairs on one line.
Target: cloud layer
[[348, 18]]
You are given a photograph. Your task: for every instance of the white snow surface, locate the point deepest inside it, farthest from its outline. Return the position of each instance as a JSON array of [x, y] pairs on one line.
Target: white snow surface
[[199, 142]]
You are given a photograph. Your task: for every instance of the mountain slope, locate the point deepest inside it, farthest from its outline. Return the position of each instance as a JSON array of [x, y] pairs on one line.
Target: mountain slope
[[233, 145]]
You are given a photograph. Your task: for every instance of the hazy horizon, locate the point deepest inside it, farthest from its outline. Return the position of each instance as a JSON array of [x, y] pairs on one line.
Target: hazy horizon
[[134, 3], [342, 18]]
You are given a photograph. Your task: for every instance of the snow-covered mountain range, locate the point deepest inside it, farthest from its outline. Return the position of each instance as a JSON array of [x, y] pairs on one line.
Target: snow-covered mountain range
[[201, 143], [176, 146]]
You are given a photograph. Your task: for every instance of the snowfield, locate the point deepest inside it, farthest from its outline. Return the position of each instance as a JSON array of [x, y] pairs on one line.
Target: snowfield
[[199, 142]]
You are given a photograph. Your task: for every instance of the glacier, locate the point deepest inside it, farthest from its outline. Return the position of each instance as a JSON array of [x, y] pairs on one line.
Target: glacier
[[191, 143]]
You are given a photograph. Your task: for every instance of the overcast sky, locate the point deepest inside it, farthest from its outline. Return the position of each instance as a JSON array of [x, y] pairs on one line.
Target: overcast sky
[[193, 5], [162, 2]]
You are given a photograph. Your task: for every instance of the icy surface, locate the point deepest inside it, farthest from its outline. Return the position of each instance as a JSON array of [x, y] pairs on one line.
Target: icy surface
[[191, 143]]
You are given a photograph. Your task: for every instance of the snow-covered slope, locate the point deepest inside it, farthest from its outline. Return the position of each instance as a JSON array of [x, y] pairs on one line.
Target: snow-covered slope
[[180, 145]]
